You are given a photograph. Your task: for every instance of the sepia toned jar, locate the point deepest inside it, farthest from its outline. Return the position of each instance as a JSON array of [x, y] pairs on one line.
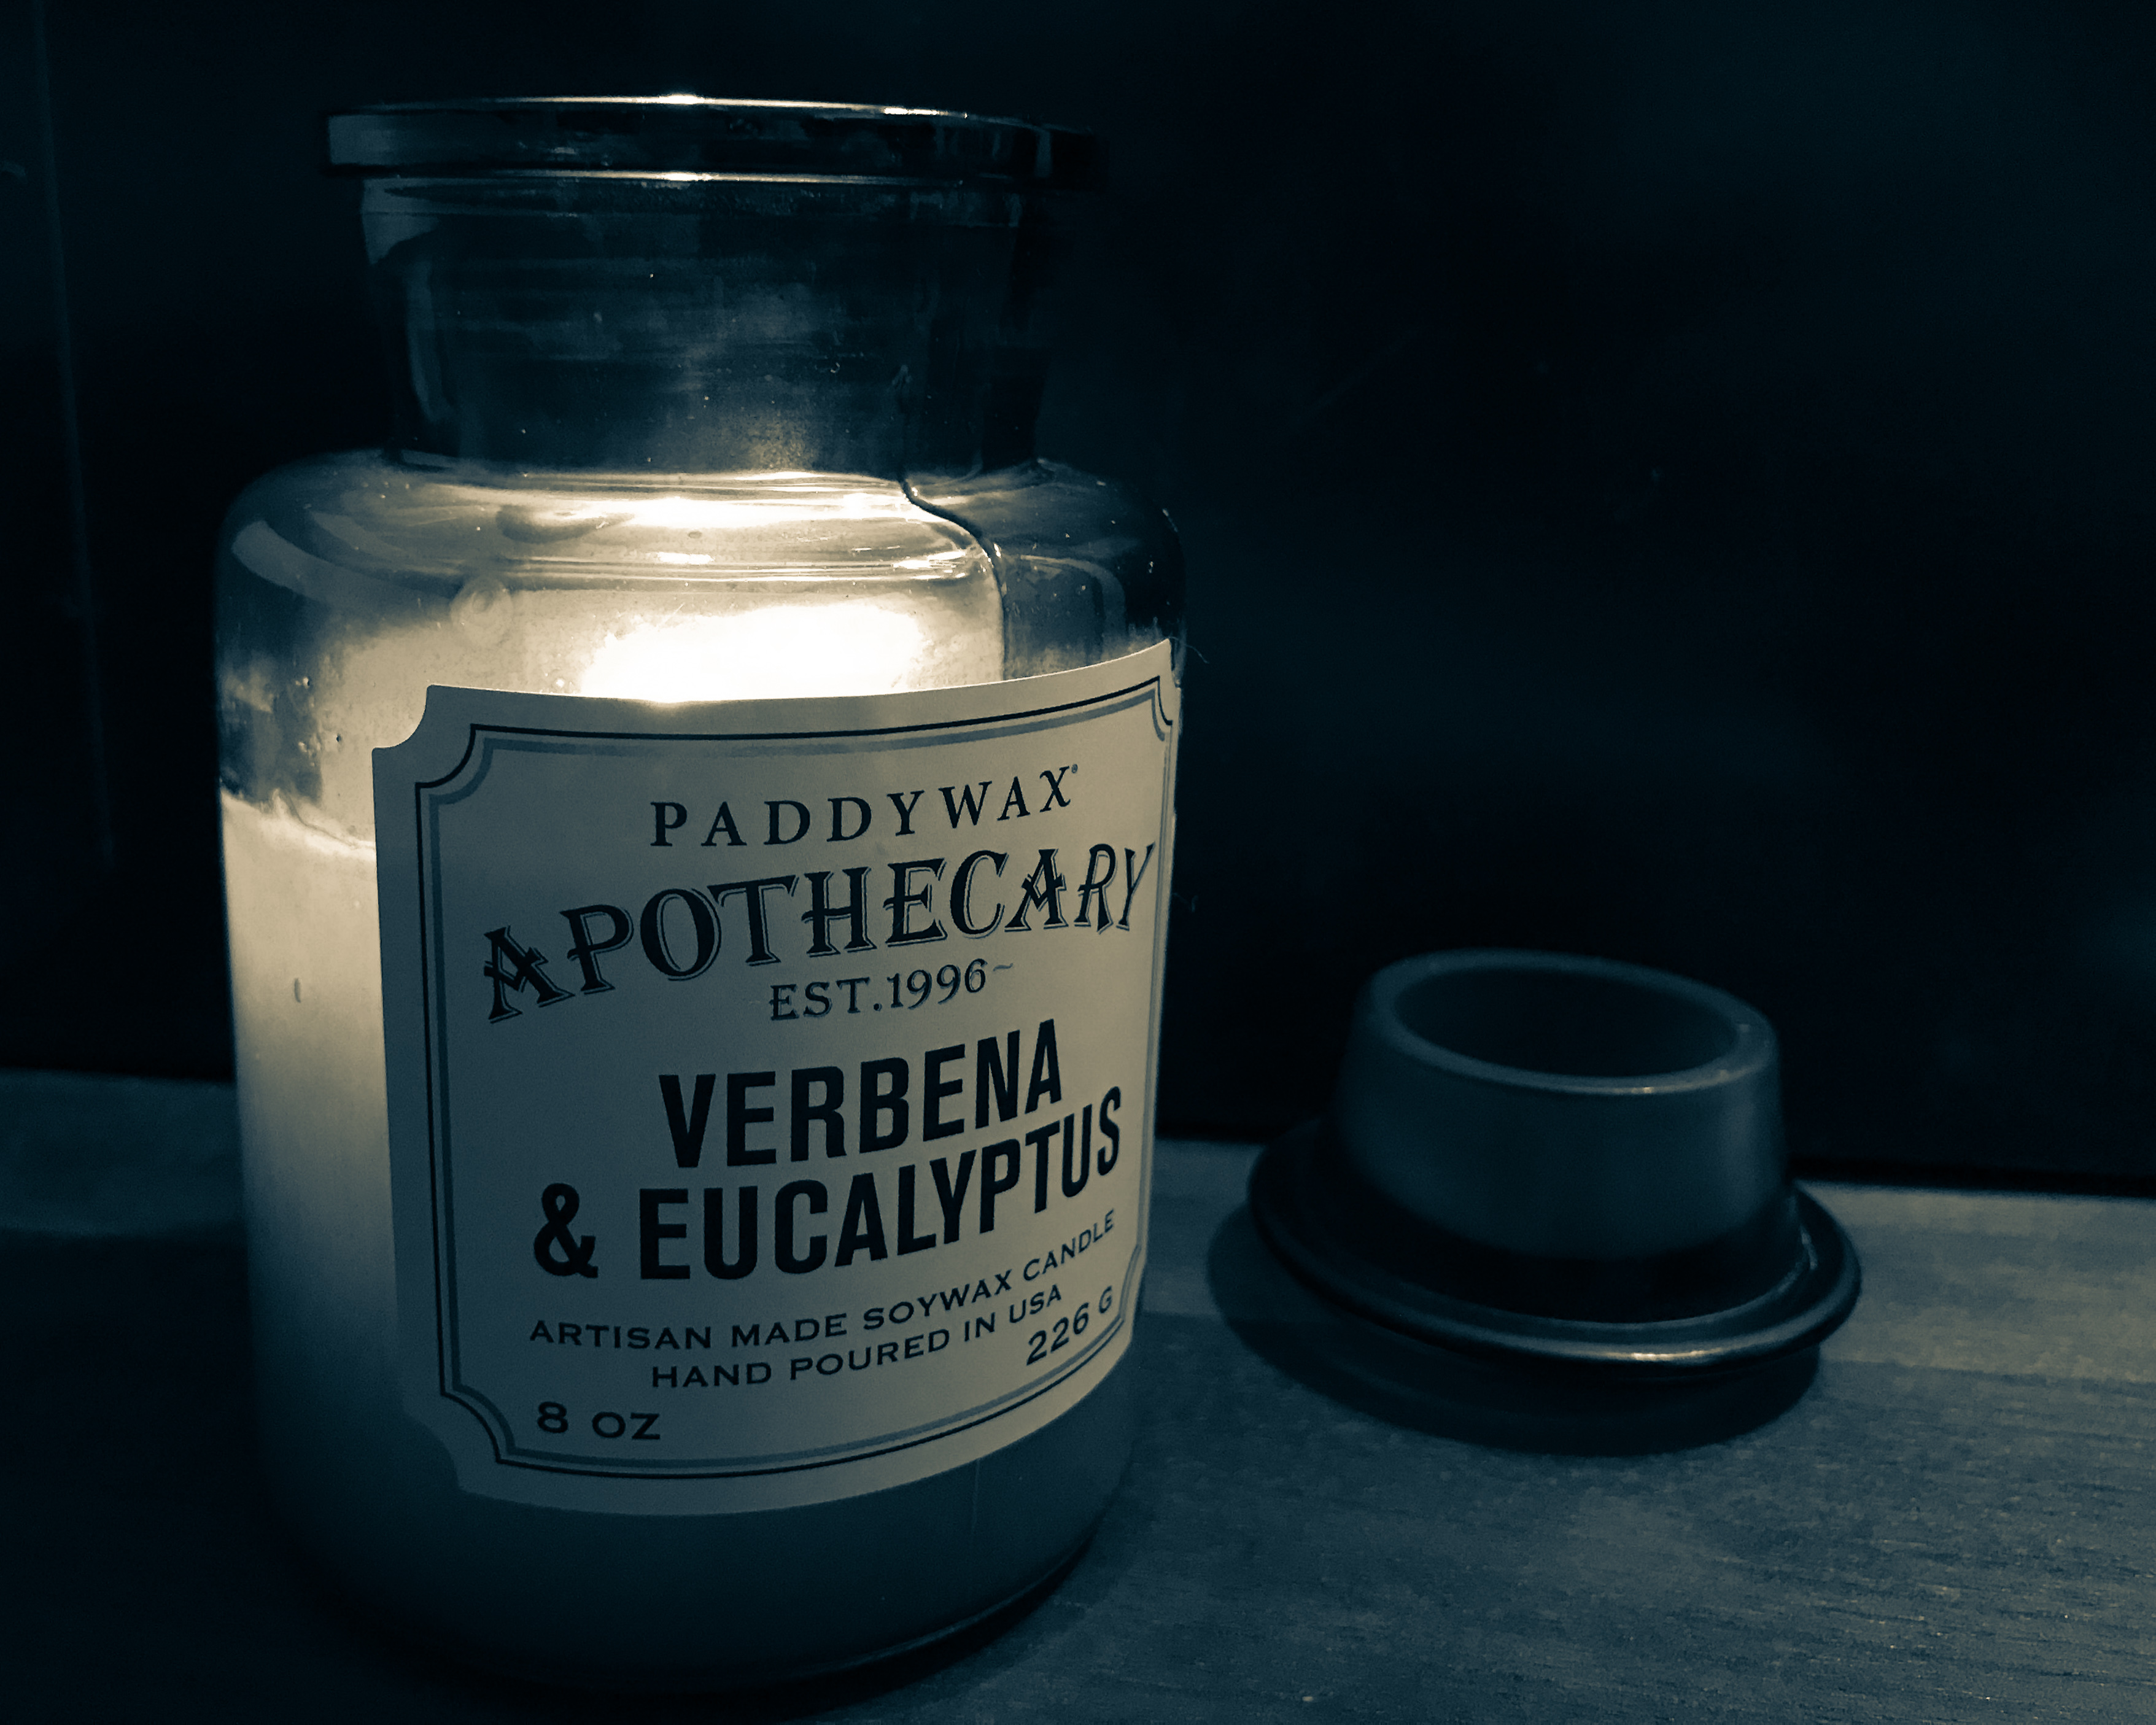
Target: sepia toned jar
[[696, 813]]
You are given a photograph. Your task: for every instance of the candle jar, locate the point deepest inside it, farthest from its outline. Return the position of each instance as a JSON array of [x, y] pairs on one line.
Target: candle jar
[[697, 811]]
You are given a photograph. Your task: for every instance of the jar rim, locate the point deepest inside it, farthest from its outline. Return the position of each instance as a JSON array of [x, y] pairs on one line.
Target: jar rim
[[721, 136]]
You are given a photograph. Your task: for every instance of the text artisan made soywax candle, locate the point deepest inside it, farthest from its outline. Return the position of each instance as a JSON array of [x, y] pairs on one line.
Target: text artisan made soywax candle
[[696, 815]]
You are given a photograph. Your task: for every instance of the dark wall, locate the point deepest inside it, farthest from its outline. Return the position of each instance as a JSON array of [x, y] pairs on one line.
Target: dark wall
[[1666, 481]]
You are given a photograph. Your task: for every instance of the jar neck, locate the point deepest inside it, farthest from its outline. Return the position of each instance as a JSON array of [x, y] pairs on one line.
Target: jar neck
[[631, 323]]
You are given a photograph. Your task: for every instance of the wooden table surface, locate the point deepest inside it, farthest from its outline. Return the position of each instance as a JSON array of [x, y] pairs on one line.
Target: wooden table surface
[[1956, 1521]]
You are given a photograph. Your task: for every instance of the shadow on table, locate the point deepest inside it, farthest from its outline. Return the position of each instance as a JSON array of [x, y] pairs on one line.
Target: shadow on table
[[147, 1576], [1413, 1384], [810, 1698]]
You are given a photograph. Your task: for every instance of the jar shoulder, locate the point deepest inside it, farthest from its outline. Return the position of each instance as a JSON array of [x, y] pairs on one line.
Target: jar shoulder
[[1081, 560], [1046, 511], [342, 528]]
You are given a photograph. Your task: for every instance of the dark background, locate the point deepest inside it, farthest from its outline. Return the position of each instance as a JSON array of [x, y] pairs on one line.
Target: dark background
[[1668, 481]]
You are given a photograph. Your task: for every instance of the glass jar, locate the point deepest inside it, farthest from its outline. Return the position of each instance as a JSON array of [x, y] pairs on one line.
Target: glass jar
[[677, 1261]]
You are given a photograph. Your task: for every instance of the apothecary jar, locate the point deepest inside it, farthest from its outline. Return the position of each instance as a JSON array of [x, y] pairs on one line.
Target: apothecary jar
[[696, 815]]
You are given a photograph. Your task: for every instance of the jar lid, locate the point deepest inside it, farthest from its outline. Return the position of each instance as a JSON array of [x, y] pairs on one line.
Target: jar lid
[[1560, 1161], [709, 134]]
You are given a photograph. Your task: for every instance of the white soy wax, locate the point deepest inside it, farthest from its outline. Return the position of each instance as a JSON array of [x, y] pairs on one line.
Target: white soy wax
[[300, 873]]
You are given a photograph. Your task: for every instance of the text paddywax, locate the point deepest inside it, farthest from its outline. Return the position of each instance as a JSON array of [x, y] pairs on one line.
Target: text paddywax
[[788, 821]]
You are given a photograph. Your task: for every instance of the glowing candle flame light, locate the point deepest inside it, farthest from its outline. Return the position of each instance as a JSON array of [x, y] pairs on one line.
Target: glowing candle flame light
[[845, 648]]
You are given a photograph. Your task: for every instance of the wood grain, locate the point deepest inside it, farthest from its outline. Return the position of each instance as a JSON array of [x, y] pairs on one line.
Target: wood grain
[[1956, 1522]]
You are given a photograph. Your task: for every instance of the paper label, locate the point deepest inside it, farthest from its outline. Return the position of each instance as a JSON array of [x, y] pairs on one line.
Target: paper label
[[770, 1083]]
